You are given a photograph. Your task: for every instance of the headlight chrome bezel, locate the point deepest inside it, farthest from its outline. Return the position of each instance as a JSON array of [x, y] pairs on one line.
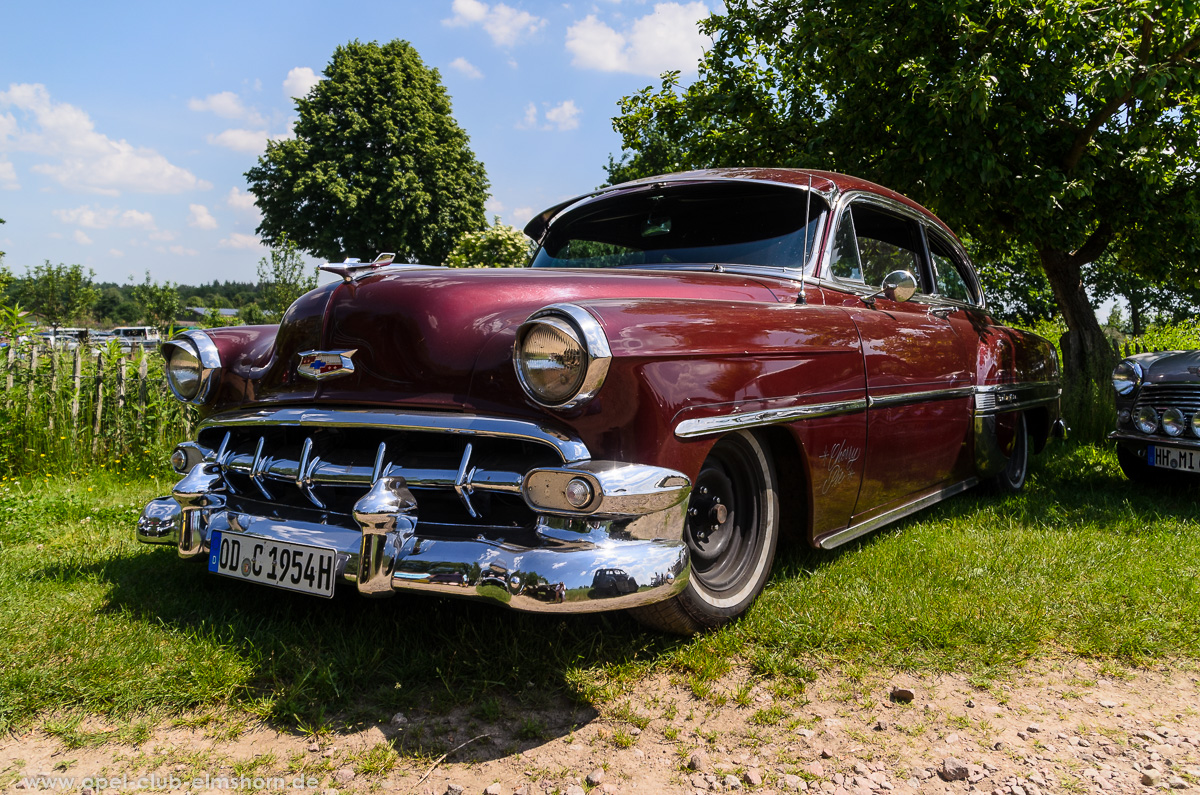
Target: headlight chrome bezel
[[1127, 377], [200, 346], [575, 322]]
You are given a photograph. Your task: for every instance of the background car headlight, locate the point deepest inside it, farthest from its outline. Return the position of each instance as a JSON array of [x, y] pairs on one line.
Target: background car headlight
[[1126, 377], [1146, 419], [1196, 424], [193, 366], [561, 356], [1172, 422]]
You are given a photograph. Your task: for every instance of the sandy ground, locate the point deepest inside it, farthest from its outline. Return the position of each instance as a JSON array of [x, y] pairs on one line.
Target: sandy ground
[[1063, 726]]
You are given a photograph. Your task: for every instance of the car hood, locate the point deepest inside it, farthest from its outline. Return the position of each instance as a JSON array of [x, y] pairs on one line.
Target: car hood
[[1170, 367], [433, 337]]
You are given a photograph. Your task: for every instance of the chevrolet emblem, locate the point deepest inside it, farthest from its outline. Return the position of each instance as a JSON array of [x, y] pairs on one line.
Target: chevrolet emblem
[[320, 365]]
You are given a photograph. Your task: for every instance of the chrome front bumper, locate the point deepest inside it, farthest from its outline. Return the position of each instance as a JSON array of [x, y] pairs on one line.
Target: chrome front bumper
[[635, 527]]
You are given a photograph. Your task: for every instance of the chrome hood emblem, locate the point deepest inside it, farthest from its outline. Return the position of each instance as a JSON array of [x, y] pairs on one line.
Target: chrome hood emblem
[[320, 365]]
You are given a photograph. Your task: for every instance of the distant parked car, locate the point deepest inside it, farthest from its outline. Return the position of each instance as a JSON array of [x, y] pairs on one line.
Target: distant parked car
[[144, 336], [1158, 415], [694, 367]]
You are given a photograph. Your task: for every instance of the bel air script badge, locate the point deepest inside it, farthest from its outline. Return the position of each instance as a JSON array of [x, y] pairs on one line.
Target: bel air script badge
[[320, 365]]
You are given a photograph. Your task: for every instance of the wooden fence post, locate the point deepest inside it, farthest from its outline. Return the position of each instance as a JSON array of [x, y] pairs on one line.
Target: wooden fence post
[[52, 401], [121, 365], [8, 379], [143, 369], [33, 357], [99, 401], [77, 384]]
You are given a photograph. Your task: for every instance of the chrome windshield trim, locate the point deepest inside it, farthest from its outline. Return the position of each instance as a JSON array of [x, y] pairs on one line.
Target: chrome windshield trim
[[752, 419], [570, 448]]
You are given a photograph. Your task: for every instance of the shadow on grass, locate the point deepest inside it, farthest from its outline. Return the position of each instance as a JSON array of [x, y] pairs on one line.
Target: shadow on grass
[[309, 664]]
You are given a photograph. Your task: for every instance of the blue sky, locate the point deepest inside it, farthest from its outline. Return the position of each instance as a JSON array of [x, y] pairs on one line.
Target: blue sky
[[126, 128]]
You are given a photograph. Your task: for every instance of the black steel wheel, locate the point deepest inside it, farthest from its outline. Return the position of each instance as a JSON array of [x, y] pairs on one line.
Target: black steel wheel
[[1011, 479], [731, 531]]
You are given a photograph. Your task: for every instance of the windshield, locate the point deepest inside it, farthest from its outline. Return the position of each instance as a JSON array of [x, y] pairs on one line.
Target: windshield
[[740, 223]]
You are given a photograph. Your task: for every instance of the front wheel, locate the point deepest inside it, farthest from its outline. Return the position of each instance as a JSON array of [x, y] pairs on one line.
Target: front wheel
[[731, 531]]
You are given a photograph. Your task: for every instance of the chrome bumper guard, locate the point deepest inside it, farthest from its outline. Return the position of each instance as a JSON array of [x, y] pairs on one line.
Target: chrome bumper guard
[[632, 522]]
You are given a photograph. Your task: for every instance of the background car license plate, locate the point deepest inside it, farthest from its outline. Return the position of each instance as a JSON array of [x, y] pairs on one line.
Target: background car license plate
[[295, 567], [1170, 458]]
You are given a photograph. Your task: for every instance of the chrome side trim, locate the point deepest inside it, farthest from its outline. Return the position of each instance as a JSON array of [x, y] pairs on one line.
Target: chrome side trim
[[569, 448], [919, 397], [999, 398], [862, 528], [753, 419]]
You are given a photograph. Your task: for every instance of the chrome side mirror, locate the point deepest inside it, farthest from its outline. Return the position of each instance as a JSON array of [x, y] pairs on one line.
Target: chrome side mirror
[[897, 286]]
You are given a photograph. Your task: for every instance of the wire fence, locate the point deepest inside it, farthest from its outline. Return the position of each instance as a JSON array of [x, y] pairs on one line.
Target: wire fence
[[64, 410]]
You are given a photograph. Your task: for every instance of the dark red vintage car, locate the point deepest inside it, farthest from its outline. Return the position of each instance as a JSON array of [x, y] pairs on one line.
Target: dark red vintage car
[[694, 368]]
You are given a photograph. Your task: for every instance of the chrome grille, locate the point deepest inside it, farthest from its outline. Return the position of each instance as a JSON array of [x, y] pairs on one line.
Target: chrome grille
[[458, 479], [1185, 397]]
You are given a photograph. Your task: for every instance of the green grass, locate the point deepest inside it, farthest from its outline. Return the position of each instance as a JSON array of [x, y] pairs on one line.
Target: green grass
[[95, 624]]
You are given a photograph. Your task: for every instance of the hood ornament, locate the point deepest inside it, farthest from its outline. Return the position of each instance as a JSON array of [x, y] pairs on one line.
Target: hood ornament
[[322, 365], [351, 268]]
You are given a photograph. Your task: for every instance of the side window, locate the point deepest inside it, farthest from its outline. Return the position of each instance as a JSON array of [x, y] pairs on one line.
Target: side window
[[950, 281], [845, 263], [870, 243]]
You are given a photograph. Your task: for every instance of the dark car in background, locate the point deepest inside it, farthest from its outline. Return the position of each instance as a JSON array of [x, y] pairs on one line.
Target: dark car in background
[[695, 368], [1158, 416]]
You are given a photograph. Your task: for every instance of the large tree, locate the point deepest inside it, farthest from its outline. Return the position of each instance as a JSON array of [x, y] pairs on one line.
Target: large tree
[[377, 163], [1066, 127]]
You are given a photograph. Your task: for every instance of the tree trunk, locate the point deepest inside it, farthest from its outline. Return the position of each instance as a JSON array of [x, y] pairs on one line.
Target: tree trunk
[[1088, 402], [1135, 316]]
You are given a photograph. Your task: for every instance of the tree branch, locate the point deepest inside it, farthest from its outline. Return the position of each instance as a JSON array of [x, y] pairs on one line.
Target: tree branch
[[1094, 246]]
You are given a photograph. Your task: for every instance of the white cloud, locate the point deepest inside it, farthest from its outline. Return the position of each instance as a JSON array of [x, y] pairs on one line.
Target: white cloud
[[241, 241], [227, 105], [164, 235], [494, 206], [505, 24], [80, 158], [564, 116], [299, 81], [116, 252], [242, 201], [522, 214], [466, 68], [82, 238], [200, 217], [90, 217], [179, 251], [529, 122], [8, 176], [249, 141], [666, 39]]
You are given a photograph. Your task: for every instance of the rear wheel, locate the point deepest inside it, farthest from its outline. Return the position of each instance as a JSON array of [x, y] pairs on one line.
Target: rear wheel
[[1012, 478], [731, 532]]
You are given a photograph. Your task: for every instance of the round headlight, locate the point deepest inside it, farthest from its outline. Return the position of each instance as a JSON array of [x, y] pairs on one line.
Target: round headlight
[[1146, 420], [193, 366], [183, 373], [1196, 424], [561, 356], [1172, 422], [551, 360], [1126, 377]]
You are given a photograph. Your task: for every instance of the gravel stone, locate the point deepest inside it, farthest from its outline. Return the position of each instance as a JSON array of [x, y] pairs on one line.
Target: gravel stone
[[953, 769], [902, 695], [698, 761], [453, 789], [754, 777], [731, 782], [596, 777], [493, 789], [343, 775], [1151, 777]]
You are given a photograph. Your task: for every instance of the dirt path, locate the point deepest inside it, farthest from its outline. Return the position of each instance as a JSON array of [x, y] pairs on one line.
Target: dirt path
[[1068, 726]]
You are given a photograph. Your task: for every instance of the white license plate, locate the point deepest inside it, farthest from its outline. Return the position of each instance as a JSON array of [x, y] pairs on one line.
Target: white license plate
[[282, 564], [1172, 458]]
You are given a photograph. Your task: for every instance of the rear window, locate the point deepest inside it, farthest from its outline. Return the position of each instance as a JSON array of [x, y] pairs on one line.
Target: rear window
[[660, 226]]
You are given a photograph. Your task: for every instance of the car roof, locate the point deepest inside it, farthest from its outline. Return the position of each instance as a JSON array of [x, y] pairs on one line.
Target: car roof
[[828, 182]]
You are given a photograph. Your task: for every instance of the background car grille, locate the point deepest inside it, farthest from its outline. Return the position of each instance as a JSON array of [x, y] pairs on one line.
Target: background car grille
[[1185, 397]]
